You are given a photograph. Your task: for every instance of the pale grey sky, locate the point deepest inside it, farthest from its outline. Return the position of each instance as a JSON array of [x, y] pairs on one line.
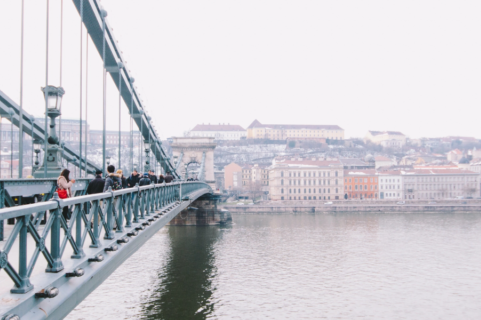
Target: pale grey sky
[[411, 66]]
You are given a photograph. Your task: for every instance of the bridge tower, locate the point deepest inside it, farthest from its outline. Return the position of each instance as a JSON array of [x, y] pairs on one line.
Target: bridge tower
[[195, 150]]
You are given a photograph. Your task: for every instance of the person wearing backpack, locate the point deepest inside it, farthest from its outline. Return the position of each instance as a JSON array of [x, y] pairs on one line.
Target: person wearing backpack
[[113, 179], [145, 181], [64, 191]]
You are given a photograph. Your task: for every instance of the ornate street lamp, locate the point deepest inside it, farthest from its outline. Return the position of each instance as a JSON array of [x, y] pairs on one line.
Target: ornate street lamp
[[53, 96]]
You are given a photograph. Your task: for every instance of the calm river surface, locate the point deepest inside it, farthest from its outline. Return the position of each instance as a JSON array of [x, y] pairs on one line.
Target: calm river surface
[[344, 266]]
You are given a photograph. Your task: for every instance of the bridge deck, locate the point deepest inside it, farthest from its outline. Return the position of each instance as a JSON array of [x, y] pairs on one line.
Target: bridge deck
[[135, 214]]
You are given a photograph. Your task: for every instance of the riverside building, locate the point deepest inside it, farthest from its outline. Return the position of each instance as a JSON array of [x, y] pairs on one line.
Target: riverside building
[[361, 184], [306, 179], [440, 183]]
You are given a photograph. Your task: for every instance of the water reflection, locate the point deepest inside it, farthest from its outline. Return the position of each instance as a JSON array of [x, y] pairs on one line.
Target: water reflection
[[184, 289]]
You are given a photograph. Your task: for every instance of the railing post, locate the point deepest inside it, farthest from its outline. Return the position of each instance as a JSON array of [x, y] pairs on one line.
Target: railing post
[[128, 203], [152, 200], [2, 204], [109, 233], [25, 285], [57, 264], [78, 233], [95, 227], [120, 214], [136, 204]]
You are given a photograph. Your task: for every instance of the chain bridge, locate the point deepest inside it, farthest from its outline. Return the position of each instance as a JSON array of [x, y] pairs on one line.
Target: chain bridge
[[49, 264]]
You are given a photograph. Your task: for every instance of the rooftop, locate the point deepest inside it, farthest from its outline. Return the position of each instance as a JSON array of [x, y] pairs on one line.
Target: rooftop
[[394, 133], [381, 158], [218, 127], [257, 124]]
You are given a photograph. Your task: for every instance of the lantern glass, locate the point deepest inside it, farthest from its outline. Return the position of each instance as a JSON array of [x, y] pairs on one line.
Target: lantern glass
[[107, 158], [54, 96], [37, 144]]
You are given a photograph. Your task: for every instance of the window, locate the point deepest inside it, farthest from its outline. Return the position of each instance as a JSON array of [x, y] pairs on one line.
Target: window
[[282, 182], [282, 173], [282, 190]]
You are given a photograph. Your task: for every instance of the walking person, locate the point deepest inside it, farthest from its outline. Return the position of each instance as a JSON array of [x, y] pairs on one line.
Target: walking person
[[113, 179], [64, 191], [133, 179], [145, 181], [97, 184], [152, 176], [125, 185], [168, 178]]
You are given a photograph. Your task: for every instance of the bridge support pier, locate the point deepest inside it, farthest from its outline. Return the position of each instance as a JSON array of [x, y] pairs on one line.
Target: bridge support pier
[[202, 212]]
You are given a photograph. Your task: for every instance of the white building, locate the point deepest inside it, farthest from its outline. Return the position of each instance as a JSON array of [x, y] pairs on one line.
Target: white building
[[391, 185], [390, 139], [218, 131], [306, 179], [440, 183]]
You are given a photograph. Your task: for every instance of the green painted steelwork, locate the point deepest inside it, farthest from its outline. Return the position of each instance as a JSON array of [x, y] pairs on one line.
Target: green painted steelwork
[[119, 214]]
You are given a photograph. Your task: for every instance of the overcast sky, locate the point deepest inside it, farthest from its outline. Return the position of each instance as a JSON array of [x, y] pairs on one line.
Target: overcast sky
[[410, 66]]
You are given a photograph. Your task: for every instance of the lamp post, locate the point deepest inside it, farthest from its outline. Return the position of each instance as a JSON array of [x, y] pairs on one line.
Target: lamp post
[[107, 159], [36, 145], [147, 156], [52, 167]]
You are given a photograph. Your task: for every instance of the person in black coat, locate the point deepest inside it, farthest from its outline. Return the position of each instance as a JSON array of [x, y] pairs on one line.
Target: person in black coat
[[152, 176], [97, 184], [145, 181], [133, 179], [161, 179], [168, 178]]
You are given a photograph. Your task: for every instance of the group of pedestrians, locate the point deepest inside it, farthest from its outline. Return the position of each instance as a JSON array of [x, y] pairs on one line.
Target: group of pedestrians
[[113, 179]]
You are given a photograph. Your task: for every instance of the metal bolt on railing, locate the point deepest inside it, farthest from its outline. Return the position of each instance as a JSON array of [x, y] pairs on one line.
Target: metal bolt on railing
[[133, 233], [112, 248], [97, 258], [76, 273], [50, 292], [139, 228], [123, 240], [10, 317], [146, 223], [151, 219]]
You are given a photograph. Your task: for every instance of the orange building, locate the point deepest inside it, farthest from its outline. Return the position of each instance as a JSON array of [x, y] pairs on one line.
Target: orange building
[[361, 184]]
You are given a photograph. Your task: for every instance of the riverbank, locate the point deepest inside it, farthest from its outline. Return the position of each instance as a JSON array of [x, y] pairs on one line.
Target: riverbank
[[322, 208]]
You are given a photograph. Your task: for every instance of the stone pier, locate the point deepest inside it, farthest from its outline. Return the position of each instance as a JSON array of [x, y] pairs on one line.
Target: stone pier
[[202, 212]]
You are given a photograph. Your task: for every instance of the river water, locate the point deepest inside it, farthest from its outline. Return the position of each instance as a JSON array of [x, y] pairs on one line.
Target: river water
[[342, 266]]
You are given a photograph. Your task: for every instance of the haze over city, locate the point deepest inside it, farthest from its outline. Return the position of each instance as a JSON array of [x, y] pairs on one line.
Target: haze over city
[[411, 66]]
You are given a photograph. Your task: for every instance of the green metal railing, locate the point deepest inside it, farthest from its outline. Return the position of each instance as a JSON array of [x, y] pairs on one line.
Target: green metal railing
[[126, 211]]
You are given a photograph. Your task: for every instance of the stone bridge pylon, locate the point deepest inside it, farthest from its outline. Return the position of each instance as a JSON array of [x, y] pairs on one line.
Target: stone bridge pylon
[[195, 150]]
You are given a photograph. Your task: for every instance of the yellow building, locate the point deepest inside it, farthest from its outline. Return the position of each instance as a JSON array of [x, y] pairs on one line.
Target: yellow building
[[258, 130]]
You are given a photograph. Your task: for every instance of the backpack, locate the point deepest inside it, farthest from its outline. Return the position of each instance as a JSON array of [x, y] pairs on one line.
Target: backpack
[[116, 185]]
